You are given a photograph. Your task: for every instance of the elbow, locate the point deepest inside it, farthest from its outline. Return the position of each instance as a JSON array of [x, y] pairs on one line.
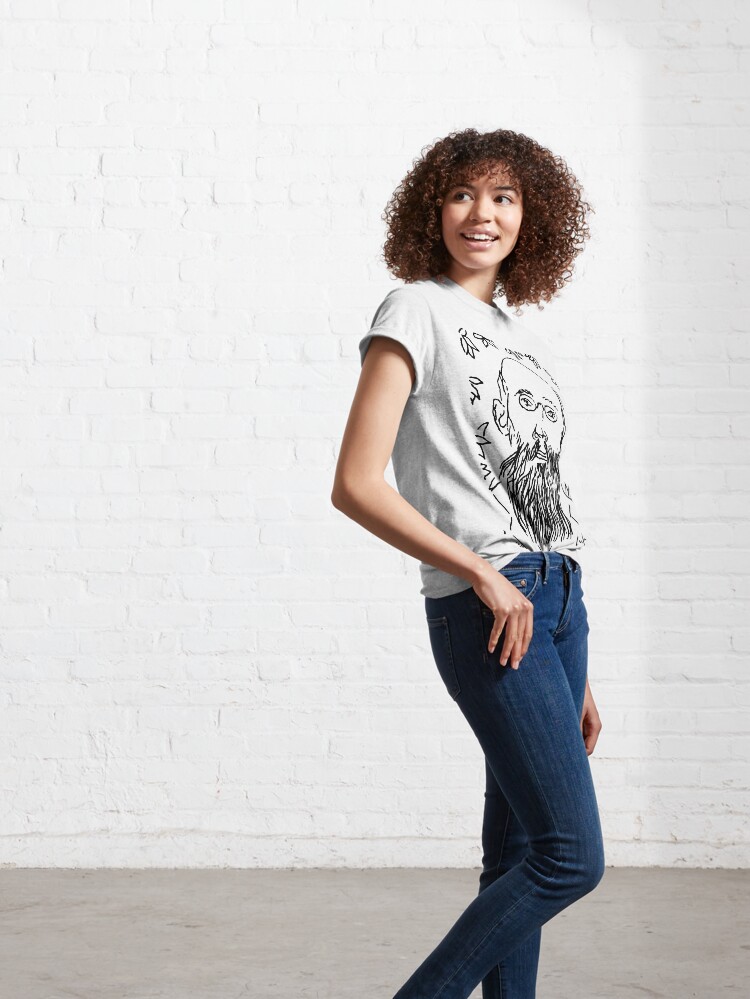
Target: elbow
[[341, 498], [346, 495], [339, 495]]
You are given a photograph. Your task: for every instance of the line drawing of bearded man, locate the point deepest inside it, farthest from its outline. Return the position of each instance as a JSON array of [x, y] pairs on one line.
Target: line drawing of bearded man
[[529, 413]]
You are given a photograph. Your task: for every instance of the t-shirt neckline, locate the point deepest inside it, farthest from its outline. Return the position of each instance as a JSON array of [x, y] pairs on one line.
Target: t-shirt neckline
[[466, 296]]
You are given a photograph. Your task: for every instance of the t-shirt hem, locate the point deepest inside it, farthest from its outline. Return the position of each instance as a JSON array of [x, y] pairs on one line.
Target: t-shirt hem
[[458, 585]]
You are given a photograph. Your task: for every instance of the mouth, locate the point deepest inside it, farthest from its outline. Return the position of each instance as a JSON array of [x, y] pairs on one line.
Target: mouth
[[478, 240]]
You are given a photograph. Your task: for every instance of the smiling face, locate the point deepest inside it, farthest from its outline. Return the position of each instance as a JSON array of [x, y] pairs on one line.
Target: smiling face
[[487, 205]]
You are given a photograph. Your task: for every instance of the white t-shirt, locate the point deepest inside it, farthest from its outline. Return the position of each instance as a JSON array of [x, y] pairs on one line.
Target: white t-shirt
[[479, 447]]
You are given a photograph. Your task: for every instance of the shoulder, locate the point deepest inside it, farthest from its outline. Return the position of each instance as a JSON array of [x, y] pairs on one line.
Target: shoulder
[[404, 315]]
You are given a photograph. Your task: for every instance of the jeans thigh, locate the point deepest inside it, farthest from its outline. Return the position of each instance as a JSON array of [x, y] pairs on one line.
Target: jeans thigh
[[527, 721]]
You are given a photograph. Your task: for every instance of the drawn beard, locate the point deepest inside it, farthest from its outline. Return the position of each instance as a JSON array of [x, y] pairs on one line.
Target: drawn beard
[[534, 490]]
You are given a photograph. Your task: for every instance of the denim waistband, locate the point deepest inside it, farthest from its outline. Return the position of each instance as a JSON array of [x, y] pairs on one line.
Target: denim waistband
[[544, 561]]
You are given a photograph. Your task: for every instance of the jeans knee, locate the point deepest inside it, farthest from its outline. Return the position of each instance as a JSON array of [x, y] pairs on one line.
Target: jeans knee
[[575, 865], [591, 871]]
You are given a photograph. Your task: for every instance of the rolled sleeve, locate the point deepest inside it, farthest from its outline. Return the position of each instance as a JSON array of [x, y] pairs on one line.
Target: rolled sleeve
[[404, 316]]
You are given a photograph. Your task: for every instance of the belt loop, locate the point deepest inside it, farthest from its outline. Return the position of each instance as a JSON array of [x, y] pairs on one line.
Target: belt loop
[[545, 566]]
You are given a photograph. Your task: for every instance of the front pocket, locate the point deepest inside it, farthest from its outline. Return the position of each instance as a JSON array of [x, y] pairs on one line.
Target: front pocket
[[526, 580], [442, 652]]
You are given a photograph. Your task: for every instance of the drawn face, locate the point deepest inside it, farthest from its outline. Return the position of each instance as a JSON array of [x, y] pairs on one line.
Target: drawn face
[[529, 412], [491, 205]]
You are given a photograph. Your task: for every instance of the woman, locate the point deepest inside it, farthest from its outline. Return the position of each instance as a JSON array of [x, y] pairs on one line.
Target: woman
[[464, 400]]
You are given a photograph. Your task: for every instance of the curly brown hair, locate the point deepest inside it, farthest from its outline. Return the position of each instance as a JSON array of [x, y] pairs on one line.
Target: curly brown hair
[[553, 227]]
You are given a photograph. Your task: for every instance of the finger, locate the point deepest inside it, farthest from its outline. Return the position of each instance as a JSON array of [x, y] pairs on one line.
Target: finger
[[530, 629], [523, 639], [497, 630], [590, 736], [526, 634], [511, 637]]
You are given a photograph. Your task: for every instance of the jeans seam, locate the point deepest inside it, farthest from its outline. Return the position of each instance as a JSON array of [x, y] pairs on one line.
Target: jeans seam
[[568, 611], [480, 628], [500, 978], [502, 842]]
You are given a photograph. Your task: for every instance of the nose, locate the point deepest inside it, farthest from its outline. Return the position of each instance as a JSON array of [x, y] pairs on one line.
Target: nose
[[481, 209]]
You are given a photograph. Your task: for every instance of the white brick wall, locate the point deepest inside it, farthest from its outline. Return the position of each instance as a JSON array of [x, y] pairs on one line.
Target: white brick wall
[[204, 663]]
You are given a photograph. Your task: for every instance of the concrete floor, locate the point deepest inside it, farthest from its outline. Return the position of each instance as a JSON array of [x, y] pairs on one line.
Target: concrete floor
[[346, 934]]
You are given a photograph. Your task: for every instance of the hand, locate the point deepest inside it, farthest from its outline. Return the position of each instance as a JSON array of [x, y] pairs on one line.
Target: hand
[[591, 724], [512, 611]]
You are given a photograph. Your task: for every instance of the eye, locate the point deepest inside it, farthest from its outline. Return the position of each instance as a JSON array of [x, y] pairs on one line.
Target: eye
[[506, 196]]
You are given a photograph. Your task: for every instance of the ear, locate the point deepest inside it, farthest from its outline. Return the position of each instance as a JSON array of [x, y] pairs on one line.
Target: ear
[[497, 414]]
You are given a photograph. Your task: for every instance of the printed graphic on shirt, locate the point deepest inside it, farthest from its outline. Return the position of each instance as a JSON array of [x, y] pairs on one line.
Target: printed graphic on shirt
[[525, 420]]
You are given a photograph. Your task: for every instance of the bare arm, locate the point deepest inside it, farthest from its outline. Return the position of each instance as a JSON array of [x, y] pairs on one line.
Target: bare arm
[[360, 490]]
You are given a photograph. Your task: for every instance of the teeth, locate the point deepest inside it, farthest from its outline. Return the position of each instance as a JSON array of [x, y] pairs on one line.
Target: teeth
[[485, 239]]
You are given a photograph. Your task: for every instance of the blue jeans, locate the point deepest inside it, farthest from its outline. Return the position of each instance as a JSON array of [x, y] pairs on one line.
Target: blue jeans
[[541, 836]]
